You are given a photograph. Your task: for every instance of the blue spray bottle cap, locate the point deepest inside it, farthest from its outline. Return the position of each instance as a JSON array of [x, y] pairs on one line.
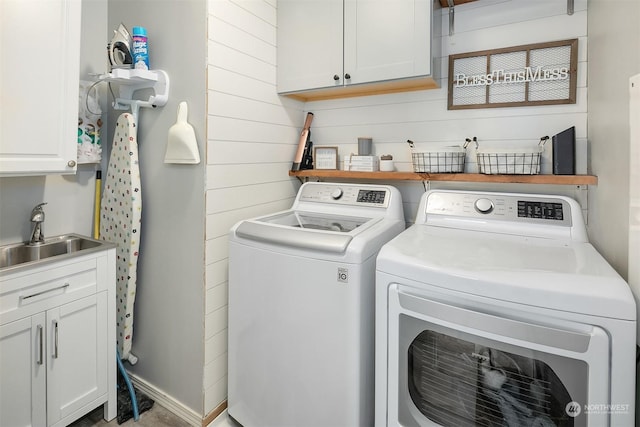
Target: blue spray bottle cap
[[139, 31]]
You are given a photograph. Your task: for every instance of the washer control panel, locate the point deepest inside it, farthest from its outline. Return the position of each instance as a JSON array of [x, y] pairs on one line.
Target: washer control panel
[[484, 206], [345, 194], [500, 207], [337, 193]]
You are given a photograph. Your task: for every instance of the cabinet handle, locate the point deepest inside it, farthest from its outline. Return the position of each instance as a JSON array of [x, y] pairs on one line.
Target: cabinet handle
[[71, 163], [66, 285], [55, 339], [347, 76], [336, 77], [40, 345]]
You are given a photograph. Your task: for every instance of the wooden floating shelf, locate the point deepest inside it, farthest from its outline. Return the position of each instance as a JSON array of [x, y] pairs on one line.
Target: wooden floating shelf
[[452, 177]]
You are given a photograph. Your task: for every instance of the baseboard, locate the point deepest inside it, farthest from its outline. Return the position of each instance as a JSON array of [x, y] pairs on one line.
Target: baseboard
[[214, 414], [163, 399]]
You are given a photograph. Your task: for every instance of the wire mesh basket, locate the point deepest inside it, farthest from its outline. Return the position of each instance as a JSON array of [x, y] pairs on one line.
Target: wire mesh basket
[[445, 160], [510, 161]]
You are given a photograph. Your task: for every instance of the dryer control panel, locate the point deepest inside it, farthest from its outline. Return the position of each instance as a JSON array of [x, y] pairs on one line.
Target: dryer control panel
[[534, 215], [551, 211]]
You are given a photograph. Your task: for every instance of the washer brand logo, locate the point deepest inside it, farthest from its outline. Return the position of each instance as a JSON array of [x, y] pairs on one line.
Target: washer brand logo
[[573, 409], [343, 275]]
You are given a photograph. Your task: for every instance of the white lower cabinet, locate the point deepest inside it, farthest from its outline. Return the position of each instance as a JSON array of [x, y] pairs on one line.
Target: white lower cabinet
[[58, 362], [23, 373], [76, 356]]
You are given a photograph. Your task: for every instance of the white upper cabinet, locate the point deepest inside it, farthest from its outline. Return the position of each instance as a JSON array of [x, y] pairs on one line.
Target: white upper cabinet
[[386, 40], [333, 48], [39, 78], [310, 44]]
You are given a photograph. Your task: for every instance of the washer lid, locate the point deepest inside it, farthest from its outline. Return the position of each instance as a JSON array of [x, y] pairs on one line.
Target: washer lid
[[316, 221], [561, 275], [306, 230]]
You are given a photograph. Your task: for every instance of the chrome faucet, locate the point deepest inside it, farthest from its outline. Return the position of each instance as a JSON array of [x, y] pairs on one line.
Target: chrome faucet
[[37, 217]]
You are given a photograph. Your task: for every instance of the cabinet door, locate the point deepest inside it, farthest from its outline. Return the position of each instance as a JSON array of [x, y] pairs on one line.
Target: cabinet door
[[310, 41], [23, 372], [40, 45], [386, 40], [76, 356]]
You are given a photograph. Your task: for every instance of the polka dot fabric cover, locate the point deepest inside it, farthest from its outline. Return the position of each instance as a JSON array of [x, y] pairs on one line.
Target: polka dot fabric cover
[[121, 213]]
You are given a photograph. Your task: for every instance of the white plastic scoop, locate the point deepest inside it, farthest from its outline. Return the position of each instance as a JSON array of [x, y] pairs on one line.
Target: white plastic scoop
[[182, 146]]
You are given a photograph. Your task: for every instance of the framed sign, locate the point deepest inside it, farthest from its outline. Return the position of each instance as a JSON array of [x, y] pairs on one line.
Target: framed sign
[[535, 74], [325, 157]]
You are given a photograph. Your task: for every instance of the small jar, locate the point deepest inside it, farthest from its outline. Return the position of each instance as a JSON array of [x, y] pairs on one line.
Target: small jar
[[386, 163]]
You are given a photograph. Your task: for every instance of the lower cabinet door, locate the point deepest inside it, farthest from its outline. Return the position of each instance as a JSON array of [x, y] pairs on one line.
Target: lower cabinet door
[[76, 357], [23, 372]]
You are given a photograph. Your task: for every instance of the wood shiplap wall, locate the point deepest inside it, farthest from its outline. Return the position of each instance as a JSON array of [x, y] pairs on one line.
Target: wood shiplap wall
[[252, 132], [251, 139], [423, 116]]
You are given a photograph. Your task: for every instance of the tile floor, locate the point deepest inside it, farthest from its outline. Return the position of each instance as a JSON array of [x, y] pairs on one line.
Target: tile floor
[[157, 416]]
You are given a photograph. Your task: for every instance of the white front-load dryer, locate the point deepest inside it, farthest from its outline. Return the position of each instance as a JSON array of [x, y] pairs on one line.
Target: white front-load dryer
[[301, 307], [493, 309]]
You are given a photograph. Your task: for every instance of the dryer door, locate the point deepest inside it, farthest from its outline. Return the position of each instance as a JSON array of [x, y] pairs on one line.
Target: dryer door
[[460, 367]]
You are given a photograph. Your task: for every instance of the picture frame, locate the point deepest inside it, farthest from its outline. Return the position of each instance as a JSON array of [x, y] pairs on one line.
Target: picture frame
[[325, 158], [518, 76]]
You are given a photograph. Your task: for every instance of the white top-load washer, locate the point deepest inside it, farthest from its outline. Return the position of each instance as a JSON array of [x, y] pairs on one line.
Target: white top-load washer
[[493, 309], [301, 307]]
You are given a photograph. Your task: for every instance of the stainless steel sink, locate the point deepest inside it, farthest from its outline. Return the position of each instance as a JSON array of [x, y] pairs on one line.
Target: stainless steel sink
[[68, 245]]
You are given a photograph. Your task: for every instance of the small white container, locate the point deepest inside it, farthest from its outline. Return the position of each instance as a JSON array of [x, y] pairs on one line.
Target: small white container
[[386, 166]]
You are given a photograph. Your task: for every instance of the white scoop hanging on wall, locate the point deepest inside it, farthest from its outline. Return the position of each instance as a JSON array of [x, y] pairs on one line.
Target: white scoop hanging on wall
[[182, 146]]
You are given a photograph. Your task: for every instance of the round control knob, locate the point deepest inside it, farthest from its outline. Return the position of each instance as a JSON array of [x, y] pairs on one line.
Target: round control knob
[[484, 206], [336, 194]]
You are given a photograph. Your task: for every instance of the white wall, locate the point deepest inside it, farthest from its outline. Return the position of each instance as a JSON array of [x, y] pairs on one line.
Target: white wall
[[423, 116], [169, 308], [614, 52], [252, 136], [617, 50]]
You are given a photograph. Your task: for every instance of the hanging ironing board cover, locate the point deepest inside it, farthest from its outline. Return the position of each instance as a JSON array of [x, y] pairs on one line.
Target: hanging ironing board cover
[[120, 222]]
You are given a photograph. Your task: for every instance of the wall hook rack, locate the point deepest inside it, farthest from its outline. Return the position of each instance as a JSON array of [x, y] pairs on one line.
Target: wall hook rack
[[130, 80]]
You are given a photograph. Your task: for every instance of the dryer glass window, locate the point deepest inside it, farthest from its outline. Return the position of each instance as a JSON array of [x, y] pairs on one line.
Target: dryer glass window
[[462, 382], [460, 379]]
